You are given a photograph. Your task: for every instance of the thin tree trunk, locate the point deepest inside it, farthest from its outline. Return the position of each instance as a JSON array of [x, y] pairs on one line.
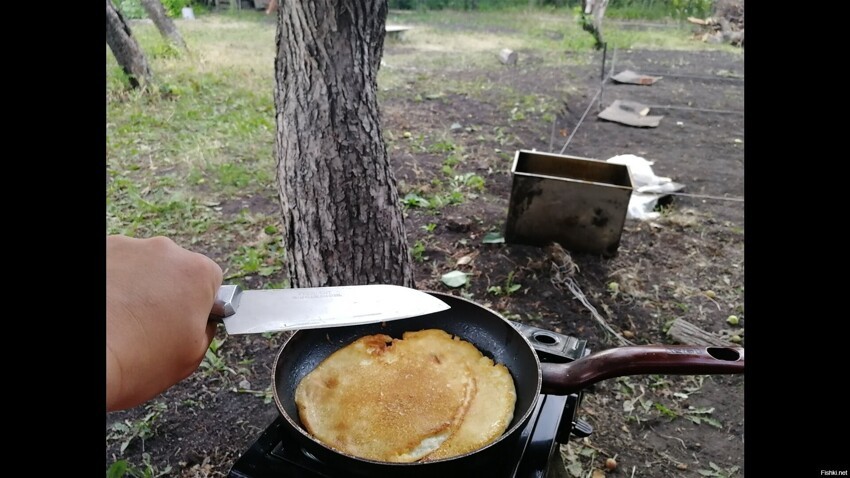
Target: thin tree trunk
[[163, 23], [120, 39], [343, 222]]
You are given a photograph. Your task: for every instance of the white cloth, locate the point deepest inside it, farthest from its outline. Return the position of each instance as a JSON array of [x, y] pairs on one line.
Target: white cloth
[[648, 188]]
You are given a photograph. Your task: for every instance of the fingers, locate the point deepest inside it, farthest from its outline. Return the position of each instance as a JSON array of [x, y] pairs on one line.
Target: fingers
[[196, 269], [213, 273]]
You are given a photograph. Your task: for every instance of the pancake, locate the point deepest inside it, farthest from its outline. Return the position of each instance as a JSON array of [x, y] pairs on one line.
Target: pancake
[[385, 399], [426, 396], [489, 413]]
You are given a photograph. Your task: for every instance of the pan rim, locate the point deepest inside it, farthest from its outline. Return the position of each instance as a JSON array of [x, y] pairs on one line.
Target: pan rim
[[521, 422]]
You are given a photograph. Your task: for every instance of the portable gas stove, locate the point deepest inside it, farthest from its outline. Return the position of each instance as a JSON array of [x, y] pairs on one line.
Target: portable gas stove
[[276, 455]]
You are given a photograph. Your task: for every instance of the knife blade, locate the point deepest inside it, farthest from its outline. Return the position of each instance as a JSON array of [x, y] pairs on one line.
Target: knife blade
[[278, 310]]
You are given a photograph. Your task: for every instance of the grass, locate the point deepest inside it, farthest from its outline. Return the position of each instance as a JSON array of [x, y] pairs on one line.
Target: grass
[[122, 468], [189, 159], [203, 140], [141, 429]]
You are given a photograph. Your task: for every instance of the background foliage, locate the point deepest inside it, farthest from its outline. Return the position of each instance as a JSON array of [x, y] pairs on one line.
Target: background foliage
[[133, 8], [626, 9], [623, 9]]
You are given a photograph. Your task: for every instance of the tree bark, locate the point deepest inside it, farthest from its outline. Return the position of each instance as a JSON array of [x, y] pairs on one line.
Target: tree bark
[[343, 222], [120, 39], [163, 23], [596, 10]]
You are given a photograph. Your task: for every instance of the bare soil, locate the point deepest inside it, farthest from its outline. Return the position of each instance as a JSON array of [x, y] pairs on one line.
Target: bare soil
[[687, 264]]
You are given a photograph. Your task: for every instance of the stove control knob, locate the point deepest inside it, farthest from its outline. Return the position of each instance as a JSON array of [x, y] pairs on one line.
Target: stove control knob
[[582, 429], [578, 429]]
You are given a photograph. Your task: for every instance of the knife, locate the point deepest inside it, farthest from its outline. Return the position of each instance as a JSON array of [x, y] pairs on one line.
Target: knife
[[278, 310]]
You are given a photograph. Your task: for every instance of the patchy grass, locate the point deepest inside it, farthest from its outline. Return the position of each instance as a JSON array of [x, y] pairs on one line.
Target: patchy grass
[[176, 157], [129, 430], [193, 160]]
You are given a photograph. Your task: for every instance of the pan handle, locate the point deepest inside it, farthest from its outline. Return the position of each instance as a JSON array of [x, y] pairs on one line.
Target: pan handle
[[567, 378]]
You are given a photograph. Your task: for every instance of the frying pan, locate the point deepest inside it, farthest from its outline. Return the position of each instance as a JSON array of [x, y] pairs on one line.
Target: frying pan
[[498, 339]]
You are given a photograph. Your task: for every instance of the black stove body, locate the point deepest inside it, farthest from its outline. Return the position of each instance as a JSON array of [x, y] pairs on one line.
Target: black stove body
[[276, 454]]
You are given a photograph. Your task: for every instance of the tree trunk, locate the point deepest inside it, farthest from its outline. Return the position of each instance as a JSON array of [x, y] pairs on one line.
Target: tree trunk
[[120, 39], [596, 10], [343, 222], [163, 23]]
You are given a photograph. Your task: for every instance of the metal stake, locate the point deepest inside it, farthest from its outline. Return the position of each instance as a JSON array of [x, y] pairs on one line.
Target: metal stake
[[580, 120]]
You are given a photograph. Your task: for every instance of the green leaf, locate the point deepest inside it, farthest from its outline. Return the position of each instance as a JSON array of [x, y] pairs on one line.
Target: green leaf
[[117, 469], [120, 427], [493, 238], [712, 422], [455, 279], [415, 200], [706, 473], [666, 411]]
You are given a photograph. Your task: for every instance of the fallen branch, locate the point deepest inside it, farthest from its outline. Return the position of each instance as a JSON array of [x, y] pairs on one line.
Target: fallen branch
[[687, 333]]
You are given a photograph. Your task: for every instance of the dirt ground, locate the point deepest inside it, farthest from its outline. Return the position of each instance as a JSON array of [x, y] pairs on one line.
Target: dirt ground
[[688, 264]]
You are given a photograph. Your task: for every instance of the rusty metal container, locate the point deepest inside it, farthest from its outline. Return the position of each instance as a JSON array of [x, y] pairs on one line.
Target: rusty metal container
[[580, 203]]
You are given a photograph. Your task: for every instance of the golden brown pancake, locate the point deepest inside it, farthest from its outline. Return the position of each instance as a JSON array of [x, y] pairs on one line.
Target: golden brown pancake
[[490, 411], [384, 399], [428, 395]]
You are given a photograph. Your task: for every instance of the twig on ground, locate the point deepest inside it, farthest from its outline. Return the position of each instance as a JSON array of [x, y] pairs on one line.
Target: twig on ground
[[563, 269], [669, 458], [600, 450], [670, 438], [703, 294]]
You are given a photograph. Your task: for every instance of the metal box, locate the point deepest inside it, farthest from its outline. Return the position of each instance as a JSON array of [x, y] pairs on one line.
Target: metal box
[[580, 203]]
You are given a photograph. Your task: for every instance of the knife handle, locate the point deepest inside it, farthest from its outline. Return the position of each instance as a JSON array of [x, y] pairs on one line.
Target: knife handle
[[226, 302]]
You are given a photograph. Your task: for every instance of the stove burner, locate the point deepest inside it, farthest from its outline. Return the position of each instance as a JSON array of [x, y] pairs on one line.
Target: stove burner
[[276, 454]]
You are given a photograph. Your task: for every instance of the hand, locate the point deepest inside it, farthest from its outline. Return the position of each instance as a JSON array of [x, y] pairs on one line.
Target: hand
[[158, 300]]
